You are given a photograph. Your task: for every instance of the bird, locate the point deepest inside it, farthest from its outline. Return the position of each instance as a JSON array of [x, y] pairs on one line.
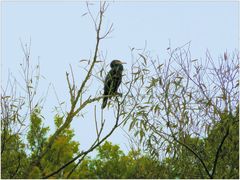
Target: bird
[[113, 80]]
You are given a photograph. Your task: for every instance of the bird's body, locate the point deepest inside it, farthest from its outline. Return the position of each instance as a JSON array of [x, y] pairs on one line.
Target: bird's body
[[113, 80]]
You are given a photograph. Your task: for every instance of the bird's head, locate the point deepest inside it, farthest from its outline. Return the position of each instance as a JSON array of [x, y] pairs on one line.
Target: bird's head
[[117, 64]]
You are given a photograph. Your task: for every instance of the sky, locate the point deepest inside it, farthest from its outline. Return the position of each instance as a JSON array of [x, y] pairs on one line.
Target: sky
[[60, 35]]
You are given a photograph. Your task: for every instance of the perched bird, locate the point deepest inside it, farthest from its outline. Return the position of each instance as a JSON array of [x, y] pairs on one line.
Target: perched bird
[[113, 80]]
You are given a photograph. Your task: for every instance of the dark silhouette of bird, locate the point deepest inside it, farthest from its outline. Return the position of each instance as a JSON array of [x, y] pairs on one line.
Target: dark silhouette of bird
[[112, 80]]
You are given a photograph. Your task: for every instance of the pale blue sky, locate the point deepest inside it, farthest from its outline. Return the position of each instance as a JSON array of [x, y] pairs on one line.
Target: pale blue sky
[[61, 36]]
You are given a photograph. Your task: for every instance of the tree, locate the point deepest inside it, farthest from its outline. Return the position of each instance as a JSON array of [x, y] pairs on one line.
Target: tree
[[185, 113], [14, 158], [41, 147], [15, 111], [63, 149], [111, 162], [184, 100], [37, 134]]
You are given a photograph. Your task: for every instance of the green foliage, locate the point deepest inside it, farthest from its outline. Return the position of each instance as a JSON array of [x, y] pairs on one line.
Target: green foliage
[[111, 162], [63, 150], [37, 133], [13, 157], [184, 164], [228, 163], [35, 173]]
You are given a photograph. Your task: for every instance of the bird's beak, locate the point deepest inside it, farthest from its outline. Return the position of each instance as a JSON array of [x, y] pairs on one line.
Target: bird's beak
[[120, 62]]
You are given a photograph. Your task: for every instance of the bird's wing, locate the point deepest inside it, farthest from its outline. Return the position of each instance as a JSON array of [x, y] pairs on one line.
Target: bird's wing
[[118, 80], [108, 81], [112, 81]]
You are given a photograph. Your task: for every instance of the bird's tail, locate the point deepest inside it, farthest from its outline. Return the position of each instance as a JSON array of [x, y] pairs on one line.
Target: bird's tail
[[104, 103]]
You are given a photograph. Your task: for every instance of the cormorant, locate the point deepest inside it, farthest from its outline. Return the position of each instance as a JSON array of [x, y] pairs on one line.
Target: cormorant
[[113, 80]]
